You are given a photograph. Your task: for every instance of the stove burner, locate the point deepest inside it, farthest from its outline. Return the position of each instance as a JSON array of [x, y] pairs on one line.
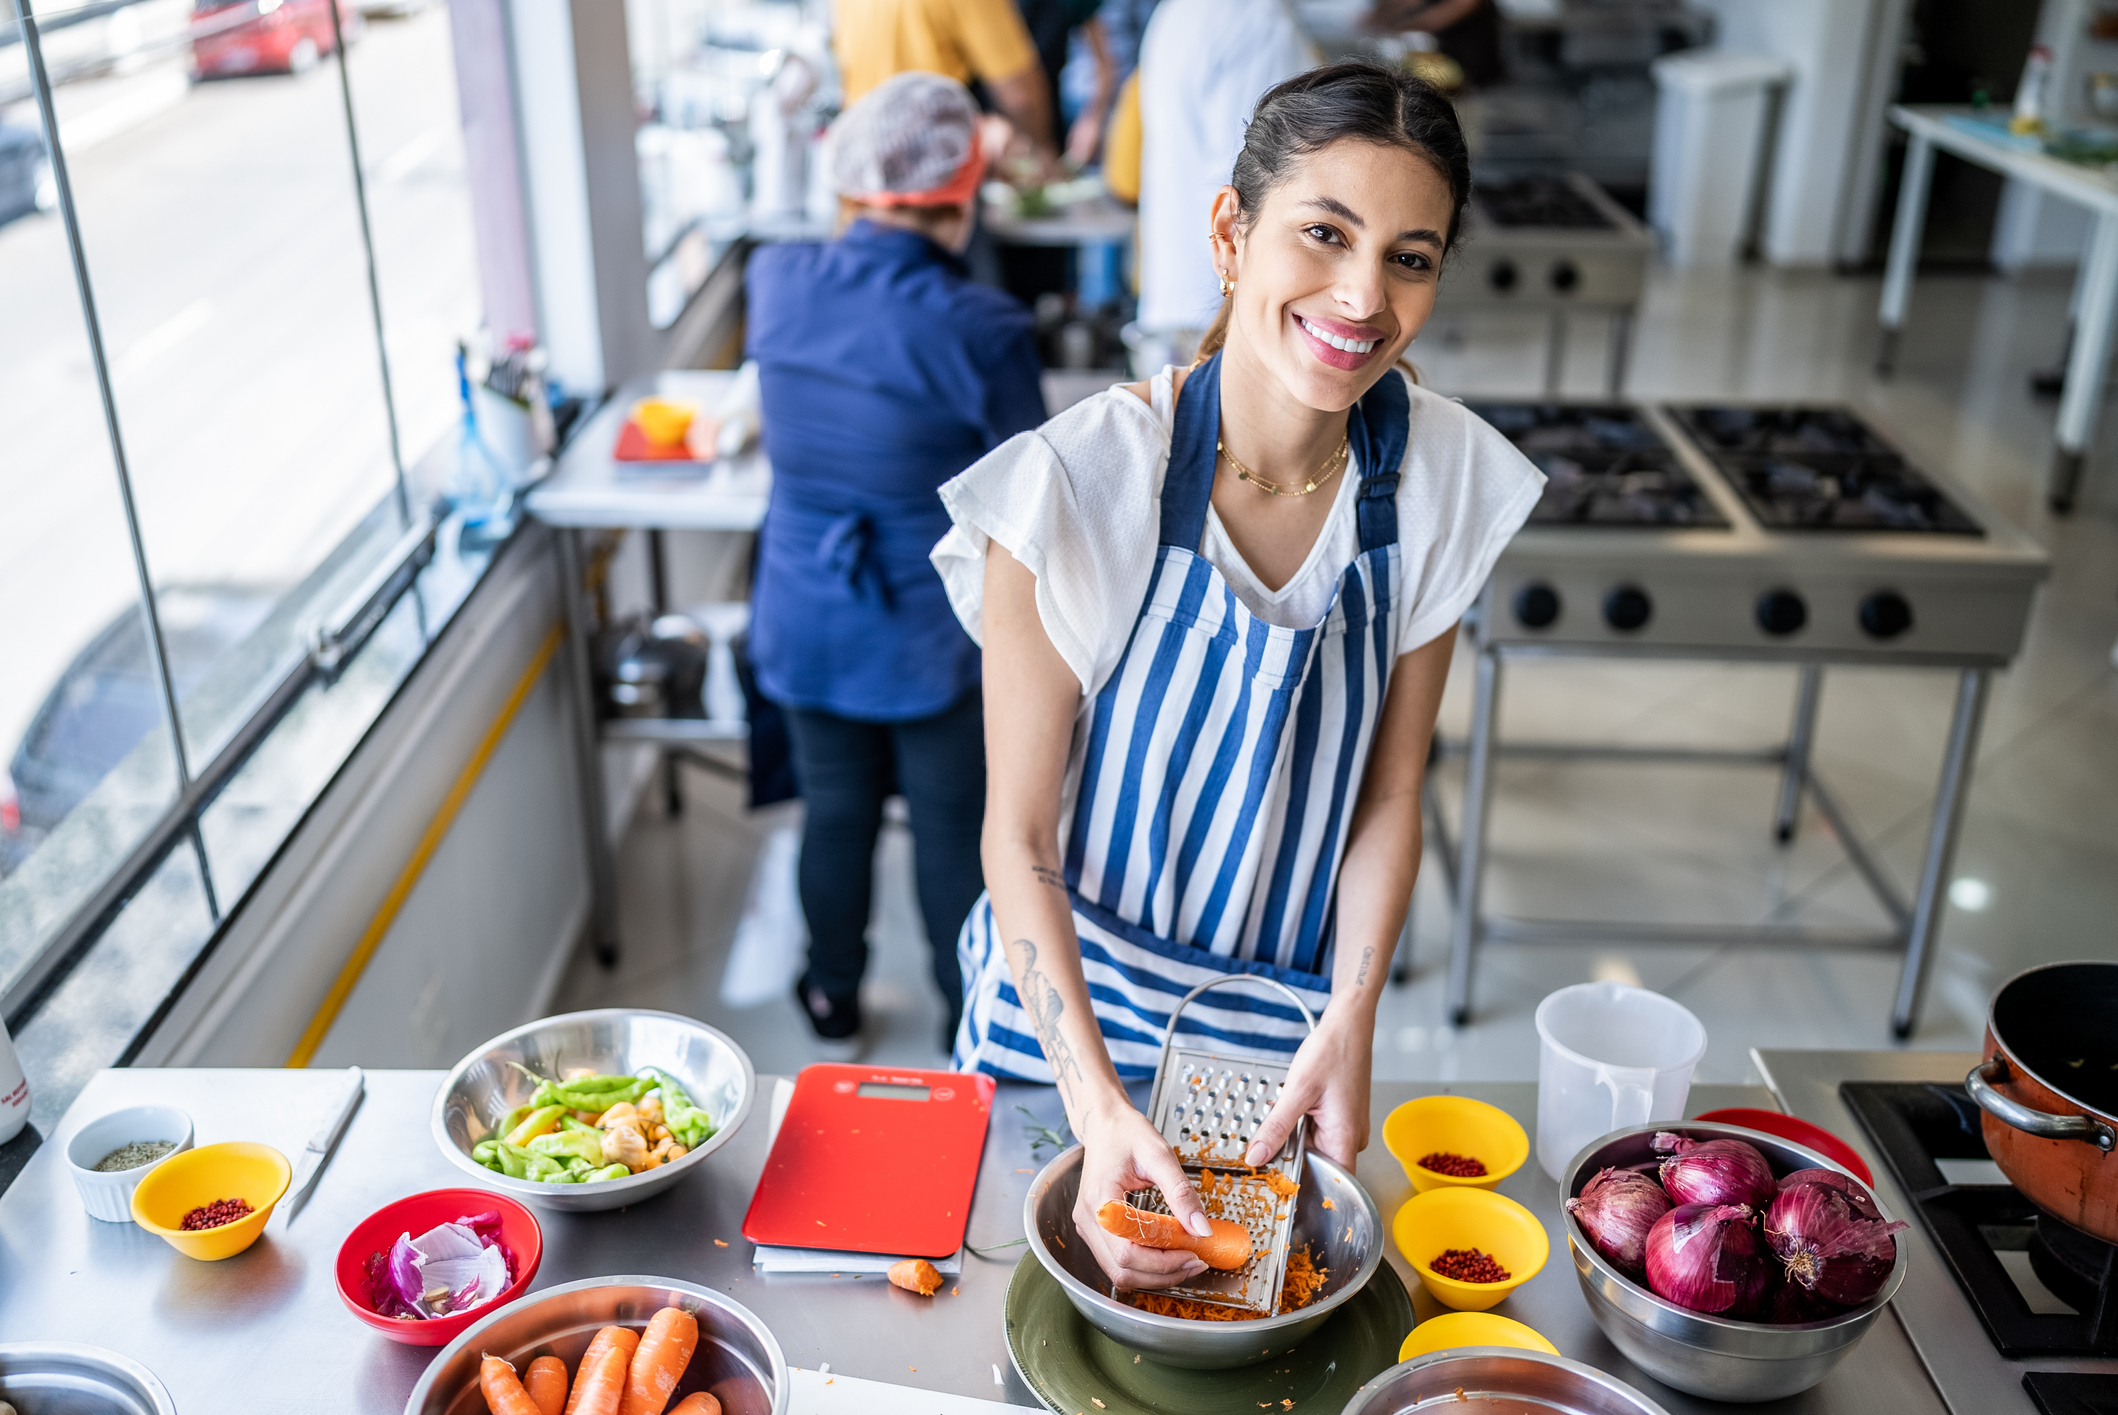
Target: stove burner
[[1603, 466], [1546, 202], [1820, 469], [1977, 1227]]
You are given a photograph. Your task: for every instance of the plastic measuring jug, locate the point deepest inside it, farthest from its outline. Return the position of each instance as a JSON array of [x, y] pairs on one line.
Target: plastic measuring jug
[[1609, 1056]]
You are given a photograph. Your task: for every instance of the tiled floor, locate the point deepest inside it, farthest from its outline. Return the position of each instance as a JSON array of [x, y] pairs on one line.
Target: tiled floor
[[2037, 870]]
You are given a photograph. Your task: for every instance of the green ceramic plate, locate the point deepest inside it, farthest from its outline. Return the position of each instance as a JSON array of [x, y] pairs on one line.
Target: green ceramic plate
[[1075, 1368]]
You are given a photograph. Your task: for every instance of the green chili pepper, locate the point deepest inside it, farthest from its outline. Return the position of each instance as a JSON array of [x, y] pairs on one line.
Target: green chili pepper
[[514, 1160], [545, 1170], [692, 1126], [579, 1168], [600, 1098], [567, 1122], [542, 1120], [560, 1144], [513, 1118], [609, 1171], [487, 1153]]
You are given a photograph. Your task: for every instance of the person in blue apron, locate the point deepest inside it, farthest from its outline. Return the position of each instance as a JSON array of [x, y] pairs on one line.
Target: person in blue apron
[[1217, 613], [882, 371]]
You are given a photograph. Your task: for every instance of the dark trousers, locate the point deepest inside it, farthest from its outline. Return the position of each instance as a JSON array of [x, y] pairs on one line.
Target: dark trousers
[[847, 769]]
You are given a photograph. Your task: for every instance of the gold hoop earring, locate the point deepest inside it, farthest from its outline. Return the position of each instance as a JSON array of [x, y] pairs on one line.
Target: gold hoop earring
[[1227, 285]]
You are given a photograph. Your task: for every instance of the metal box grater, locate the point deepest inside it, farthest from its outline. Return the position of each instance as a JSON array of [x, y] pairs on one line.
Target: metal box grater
[[1208, 1107]]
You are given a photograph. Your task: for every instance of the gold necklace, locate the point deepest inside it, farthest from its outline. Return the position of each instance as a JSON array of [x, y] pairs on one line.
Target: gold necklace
[[1330, 469]]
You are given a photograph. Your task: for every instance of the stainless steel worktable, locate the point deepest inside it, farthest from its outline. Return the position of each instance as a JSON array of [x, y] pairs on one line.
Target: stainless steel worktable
[[265, 1331]]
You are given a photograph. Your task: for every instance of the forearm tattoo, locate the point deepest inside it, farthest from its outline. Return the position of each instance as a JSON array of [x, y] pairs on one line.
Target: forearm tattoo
[[1044, 1006], [1367, 957], [1052, 877]]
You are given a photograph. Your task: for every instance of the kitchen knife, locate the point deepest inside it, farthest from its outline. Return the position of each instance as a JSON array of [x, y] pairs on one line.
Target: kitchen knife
[[322, 1143]]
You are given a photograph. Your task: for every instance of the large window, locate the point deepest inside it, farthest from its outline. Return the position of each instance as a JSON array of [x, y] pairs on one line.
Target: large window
[[219, 345]]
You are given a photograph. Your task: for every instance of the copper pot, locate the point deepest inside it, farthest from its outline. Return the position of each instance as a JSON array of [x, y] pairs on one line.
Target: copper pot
[[2049, 1089]]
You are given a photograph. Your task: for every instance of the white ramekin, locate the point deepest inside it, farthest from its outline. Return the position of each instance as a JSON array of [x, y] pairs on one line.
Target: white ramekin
[[109, 1196]]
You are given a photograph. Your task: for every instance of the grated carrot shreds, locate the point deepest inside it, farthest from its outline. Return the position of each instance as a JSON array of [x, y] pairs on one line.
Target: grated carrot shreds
[[1281, 1185], [1304, 1279]]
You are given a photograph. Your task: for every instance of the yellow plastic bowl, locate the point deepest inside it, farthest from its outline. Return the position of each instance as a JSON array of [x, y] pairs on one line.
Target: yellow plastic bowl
[[1432, 1223], [181, 1183], [664, 420], [1453, 1329], [1459, 1126]]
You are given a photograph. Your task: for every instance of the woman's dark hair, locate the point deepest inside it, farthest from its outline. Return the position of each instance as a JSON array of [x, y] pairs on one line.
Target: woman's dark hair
[[1357, 99]]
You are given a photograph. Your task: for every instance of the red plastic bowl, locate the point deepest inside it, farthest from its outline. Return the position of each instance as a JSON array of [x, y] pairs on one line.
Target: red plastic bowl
[[1789, 1127], [415, 1215]]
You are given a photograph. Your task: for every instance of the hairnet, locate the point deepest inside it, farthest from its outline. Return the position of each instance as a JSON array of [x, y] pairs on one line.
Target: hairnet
[[912, 140]]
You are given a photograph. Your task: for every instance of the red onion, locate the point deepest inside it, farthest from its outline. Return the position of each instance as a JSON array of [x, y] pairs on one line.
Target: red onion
[[1863, 1202], [1715, 1172], [1707, 1257], [1828, 1246], [1615, 1209]]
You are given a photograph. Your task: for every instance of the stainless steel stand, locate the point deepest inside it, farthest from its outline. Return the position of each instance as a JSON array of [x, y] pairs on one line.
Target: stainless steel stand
[[1913, 924], [595, 812]]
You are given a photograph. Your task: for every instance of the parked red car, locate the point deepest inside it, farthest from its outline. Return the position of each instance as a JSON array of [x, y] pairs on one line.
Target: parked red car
[[265, 36]]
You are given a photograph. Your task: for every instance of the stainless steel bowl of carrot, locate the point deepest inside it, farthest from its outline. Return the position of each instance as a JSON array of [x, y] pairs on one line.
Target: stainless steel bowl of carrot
[[1336, 1223], [607, 1339]]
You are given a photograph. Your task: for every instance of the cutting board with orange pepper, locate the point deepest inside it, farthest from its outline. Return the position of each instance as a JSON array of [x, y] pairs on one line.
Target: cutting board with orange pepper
[[874, 1160]]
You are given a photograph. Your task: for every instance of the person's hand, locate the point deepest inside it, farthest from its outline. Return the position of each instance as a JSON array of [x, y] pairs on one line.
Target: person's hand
[[1328, 1082], [1122, 1153], [1085, 138]]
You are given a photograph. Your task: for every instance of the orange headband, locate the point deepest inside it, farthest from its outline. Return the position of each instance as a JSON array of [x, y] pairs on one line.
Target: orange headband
[[957, 191]]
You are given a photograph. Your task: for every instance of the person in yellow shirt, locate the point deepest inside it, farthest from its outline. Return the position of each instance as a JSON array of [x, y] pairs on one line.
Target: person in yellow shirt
[[984, 40]]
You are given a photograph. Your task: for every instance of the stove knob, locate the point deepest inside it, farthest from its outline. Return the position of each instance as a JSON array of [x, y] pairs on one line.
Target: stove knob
[[1537, 605], [1885, 614], [1501, 275], [1627, 608], [1565, 277], [1781, 612]]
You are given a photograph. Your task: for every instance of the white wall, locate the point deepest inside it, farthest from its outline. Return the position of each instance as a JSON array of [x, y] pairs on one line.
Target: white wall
[[1820, 154]]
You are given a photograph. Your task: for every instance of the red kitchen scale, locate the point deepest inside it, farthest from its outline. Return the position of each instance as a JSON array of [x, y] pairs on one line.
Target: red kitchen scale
[[874, 1160]]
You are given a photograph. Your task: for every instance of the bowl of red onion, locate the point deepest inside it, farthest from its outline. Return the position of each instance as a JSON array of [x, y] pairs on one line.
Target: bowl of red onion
[[1726, 1262], [423, 1268]]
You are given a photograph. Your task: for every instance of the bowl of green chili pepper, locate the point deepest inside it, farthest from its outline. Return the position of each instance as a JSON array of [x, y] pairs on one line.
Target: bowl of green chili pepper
[[593, 1110]]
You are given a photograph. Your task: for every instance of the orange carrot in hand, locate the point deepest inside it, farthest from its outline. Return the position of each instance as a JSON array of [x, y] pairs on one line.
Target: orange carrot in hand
[[601, 1387], [672, 1335], [697, 1403], [546, 1384], [624, 1338], [1228, 1248], [504, 1394]]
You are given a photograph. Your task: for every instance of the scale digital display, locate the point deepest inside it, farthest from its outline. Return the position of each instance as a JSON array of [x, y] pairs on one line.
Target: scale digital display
[[890, 1091]]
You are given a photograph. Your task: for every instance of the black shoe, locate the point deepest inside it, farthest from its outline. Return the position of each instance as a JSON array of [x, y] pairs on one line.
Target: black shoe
[[835, 1021]]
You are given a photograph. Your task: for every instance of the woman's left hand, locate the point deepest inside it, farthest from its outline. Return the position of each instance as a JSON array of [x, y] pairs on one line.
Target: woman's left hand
[[1328, 1082]]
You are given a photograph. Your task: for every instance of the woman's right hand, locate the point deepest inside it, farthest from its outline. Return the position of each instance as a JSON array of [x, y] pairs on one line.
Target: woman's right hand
[[1123, 1153]]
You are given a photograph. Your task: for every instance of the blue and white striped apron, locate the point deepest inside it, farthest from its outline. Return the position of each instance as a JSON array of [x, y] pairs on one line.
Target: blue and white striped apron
[[1213, 782]]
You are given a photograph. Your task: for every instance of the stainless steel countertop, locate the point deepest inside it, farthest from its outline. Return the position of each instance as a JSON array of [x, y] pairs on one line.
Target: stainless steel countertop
[[266, 1330], [1973, 1377]]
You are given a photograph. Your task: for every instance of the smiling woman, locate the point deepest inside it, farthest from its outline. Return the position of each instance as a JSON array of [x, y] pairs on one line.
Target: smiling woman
[[1210, 690]]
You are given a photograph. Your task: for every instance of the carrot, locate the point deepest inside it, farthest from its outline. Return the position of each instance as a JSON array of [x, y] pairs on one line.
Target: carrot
[[504, 1394], [697, 1403], [1228, 1248], [672, 1335], [546, 1384], [599, 1381], [916, 1275], [623, 1336]]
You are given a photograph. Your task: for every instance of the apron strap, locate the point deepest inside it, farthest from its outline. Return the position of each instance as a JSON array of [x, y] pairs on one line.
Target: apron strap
[[1378, 431], [1379, 428], [1187, 487]]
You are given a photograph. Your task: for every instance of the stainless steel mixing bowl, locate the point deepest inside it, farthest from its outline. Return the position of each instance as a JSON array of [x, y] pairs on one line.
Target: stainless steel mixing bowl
[[737, 1360], [68, 1378], [1461, 1379], [614, 1040], [1345, 1240], [1716, 1357]]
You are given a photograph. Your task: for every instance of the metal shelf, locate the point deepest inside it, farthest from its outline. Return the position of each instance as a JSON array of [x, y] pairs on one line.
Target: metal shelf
[[673, 729]]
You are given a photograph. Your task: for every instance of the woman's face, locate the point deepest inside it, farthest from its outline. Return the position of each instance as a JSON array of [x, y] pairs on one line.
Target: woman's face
[[1337, 272]]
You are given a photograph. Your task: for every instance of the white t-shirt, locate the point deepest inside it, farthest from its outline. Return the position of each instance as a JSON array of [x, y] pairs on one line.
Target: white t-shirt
[[1079, 502], [1203, 66]]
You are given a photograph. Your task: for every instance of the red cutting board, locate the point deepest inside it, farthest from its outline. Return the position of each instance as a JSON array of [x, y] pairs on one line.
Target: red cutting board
[[633, 446], [874, 1160]]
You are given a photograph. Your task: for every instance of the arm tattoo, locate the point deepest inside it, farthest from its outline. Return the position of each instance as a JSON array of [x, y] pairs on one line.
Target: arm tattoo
[[1044, 1005], [1049, 876], [1367, 957]]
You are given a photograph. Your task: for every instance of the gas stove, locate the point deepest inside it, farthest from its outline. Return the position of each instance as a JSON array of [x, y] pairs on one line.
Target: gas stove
[[2045, 1292], [1794, 533]]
